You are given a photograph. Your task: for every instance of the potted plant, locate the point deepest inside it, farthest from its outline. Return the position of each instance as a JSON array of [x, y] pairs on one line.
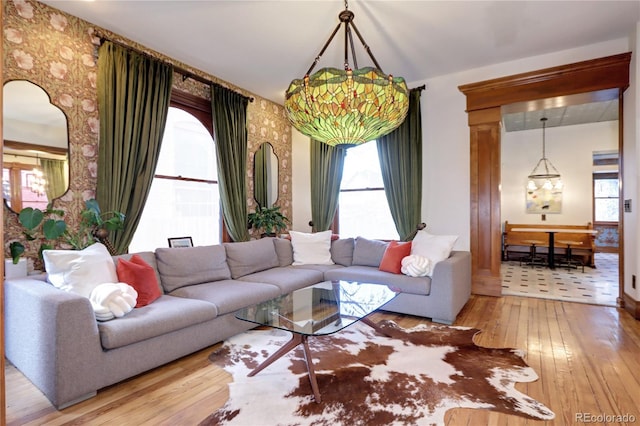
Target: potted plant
[[48, 226], [268, 219], [95, 226]]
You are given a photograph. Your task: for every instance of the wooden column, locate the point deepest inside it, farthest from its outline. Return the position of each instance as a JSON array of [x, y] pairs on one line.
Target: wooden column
[[484, 126]]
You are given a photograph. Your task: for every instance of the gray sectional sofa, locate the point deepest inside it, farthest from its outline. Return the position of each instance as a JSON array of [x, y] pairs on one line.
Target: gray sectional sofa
[[53, 338]]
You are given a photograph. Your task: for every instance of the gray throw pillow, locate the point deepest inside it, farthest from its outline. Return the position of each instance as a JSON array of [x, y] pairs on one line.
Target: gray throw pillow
[[179, 267], [247, 257], [342, 251], [284, 250], [368, 252]]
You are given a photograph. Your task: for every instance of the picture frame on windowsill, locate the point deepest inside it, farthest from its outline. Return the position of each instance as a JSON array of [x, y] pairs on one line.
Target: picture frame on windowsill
[[180, 242]]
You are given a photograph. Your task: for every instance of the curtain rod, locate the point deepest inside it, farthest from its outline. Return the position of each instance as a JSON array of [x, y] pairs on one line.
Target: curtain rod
[[185, 74]]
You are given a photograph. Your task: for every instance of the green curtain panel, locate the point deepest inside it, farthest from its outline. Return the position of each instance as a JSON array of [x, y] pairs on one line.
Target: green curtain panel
[[327, 163], [230, 133], [134, 91], [260, 172], [400, 154], [55, 176]]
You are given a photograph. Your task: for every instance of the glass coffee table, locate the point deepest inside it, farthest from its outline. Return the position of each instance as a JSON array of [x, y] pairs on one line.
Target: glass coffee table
[[318, 310]]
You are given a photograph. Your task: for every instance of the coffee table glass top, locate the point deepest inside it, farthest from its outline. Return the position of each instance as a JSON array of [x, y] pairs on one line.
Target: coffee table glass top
[[321, 309]]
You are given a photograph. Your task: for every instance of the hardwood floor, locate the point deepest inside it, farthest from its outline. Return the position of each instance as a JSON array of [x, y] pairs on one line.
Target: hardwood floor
[[587, 357]]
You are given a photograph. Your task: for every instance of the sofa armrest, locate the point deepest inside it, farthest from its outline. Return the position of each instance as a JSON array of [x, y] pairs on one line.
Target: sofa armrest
[[52, 338], [451, 281]]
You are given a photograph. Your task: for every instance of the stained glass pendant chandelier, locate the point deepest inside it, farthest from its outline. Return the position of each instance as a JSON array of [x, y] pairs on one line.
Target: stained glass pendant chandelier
[[347, 106]]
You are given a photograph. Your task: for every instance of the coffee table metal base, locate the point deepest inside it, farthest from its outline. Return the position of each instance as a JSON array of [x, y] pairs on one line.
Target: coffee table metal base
[[297, 339]]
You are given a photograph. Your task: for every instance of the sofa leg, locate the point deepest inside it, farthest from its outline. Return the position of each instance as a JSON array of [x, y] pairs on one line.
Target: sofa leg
[[441, 321]]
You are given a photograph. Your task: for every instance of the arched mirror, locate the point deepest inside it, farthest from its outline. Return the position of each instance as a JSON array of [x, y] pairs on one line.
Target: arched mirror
[[265, 175], [36, 148]]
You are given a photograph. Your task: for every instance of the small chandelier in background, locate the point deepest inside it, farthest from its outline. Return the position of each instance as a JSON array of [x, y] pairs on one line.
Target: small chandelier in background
[[544, 175], [37, 181], [349, 106]]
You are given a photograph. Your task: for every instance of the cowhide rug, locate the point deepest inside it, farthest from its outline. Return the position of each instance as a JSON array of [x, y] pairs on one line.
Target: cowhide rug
[[413, 377]]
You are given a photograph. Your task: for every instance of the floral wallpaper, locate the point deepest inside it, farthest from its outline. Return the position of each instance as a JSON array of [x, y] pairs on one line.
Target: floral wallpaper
[[58, 52]]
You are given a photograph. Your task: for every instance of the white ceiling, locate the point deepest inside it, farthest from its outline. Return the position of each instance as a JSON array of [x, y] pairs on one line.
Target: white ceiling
[[262, 45]]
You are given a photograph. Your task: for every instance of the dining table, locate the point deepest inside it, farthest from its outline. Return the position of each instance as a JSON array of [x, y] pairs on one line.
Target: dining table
[[551, 239]]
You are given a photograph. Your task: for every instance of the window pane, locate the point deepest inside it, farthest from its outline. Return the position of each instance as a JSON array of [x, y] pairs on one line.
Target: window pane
[[606, 210], [30, 198], [6, 186], [187, 148], [605, 188], [362, 168], [366, 214], [178, 209]]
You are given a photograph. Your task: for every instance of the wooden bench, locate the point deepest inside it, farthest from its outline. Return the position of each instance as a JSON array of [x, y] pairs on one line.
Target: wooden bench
[[515, 247]]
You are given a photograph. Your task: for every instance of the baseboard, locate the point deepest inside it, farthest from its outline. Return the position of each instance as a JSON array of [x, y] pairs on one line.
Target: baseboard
[[632, 306]]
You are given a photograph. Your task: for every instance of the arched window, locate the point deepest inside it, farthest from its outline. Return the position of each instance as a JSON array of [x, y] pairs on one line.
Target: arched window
[[184, 200]]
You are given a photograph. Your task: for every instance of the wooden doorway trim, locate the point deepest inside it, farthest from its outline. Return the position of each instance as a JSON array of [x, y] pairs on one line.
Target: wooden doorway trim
[[485, 100]]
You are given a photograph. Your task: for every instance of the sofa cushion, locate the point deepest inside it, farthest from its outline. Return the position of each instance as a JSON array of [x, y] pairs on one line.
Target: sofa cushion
[[80, 271], [311, 248], [434, 247], [248, 257], [284, 250], [368, 252], [342, 251], [148, 256], [393, 255], [288, 278], [370, 274], [166, 314], [141, 276], [229, 295], [183, 266]]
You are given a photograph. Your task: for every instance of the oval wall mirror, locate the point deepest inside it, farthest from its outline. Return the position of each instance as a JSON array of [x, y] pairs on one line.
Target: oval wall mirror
[[36, 147], [265, 175]]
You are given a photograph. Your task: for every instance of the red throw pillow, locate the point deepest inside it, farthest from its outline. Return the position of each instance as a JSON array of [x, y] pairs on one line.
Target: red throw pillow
[[393, 255], [141, 276]]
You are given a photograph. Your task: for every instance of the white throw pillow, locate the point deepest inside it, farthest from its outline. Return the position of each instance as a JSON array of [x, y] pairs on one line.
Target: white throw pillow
[[80, 271], [433, 247], [311, 249]]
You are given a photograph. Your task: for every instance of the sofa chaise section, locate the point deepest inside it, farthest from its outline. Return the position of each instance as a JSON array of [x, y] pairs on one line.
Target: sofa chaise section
[[53, 338]]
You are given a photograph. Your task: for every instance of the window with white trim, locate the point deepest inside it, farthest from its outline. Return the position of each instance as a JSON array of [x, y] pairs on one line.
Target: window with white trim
[[363, 208]]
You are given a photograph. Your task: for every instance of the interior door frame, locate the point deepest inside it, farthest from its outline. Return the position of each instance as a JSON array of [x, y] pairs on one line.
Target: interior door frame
[[602, 77]]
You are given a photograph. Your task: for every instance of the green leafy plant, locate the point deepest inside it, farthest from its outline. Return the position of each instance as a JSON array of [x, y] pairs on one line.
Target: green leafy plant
[[94, 225], [47, 226], [269, 219]]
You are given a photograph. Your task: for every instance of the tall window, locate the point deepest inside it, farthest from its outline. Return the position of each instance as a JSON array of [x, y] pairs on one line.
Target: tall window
[[363, 208], [184, 199], [605, 197]]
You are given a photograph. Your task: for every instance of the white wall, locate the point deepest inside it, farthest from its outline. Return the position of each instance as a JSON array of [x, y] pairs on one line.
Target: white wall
[[570, 149], [445, 194], [301, 193]]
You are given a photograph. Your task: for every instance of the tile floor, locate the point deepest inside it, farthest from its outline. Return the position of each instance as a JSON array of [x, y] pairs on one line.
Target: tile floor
[[597, 286]]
